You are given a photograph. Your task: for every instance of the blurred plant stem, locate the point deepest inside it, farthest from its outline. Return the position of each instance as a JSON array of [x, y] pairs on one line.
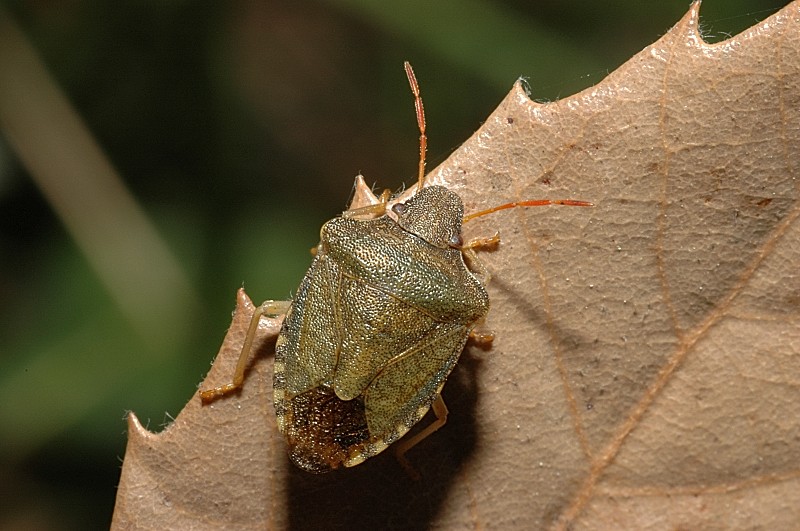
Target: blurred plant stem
[[78, 181]]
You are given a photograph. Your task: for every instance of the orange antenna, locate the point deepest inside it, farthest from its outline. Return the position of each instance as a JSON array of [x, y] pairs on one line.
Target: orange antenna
[[423, 139], [531, 203]]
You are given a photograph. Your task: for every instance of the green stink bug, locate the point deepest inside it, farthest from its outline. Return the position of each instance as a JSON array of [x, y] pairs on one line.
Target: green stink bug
[[377, 324]]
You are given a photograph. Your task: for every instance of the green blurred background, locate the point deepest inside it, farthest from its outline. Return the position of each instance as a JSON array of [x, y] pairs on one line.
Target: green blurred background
[[237, 128]]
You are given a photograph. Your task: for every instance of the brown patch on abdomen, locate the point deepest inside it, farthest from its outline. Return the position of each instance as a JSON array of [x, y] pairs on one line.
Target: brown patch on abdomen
[[321, 429]]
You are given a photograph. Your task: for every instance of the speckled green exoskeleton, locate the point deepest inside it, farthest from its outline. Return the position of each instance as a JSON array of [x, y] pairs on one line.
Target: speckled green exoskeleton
[[377, 324]]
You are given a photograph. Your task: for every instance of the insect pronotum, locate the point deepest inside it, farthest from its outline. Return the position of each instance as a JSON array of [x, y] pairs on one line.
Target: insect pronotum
[[377, 324]]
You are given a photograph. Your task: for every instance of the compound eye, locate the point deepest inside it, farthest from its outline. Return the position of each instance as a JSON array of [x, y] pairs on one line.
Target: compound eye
[[399, 208], [456, 241]]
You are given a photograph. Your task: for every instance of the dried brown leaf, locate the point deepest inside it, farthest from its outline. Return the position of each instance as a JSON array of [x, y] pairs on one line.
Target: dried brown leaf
[[645, 371]]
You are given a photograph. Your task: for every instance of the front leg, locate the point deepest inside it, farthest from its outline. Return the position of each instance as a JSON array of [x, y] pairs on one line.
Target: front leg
[[268, 308]]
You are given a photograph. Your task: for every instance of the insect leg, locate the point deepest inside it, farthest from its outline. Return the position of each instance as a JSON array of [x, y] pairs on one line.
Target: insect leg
[[483, 339], [404, 445], [489, 242], [469, 252], [266, 308], [376, 210]]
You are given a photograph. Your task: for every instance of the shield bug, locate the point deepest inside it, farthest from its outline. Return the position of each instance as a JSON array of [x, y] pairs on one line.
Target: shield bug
[[377, 324]]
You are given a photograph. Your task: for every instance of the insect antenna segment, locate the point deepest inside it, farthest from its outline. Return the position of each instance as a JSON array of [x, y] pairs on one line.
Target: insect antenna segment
[[529, 203], [423, 138], [423, 148]]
